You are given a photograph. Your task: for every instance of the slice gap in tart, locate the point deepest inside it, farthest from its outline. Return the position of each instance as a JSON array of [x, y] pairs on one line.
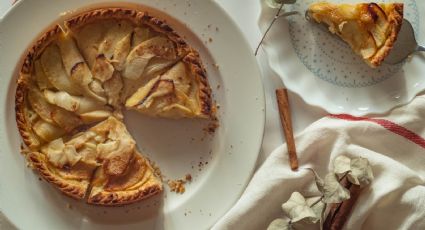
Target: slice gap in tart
[[370, 29]]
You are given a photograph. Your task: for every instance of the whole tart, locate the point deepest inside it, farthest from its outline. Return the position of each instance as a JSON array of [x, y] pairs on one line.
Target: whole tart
[[370, 29], [73, 85]]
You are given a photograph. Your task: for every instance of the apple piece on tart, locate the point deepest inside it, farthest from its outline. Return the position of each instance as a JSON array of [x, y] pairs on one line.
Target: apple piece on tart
[[370, 29]]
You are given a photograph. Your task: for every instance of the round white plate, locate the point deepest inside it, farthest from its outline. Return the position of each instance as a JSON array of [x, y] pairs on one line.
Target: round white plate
[[221, 165], [325, 72]]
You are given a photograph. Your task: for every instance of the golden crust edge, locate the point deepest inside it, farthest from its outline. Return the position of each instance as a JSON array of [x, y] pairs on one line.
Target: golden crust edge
[[396, 20], [140, 18], [23, 78], [74, 190], [118, 198], [208, 109]]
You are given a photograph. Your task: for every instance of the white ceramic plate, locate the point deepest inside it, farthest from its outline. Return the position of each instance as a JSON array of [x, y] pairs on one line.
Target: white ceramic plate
[[324, 71], [177, 147]]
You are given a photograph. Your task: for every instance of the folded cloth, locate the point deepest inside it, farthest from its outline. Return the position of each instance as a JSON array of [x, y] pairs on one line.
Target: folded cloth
[[394, 146]]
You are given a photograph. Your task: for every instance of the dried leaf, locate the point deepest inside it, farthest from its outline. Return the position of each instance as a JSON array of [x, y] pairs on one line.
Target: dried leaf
[[361, 172], [319, 181], [359, 169], [280, 224], [296, 208], [333, 191], [342, 165], [318, 207]]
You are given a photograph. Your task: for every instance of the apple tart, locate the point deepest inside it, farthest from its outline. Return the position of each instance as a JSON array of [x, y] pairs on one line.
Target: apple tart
[[370, 29], [73, 85]]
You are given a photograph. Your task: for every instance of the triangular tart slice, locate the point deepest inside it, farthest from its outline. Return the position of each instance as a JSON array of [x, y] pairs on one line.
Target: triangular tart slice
[[107, 149], [138, 182], [182, 91], [370, 29]]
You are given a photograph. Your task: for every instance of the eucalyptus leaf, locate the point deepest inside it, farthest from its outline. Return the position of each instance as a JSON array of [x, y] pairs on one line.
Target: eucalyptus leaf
[[317, 205], [361, 172], [342, 165], [280, 224], [319, 181], [296, 208], [333, 191]]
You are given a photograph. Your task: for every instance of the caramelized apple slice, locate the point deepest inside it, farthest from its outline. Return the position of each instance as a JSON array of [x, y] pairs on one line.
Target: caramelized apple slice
[[140, 35], [66, 120], [51, 61], [140, 56], [88, 39], [137, 173], [368, 48], [40, 76], [72, 103], [113, 89], [47, 131], [52, 113], [121, 52], [39, 104], [141, 93], [102, 68], [30, 118], [116, 32], [179, 77], [95, 116], [155, 67], [60, 154], [380, 25], [76, 67]]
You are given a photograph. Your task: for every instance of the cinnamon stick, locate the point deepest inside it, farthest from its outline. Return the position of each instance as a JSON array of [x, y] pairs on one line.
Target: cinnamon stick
[[339, 213], [286, 121]]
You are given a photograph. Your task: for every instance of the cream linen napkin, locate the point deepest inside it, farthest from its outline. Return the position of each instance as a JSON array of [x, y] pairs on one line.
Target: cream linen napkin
[[393, 145]]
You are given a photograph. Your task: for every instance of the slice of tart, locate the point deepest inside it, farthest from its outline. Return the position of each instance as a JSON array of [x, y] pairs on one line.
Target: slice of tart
[[370, 29], [182, 91], [106, 151]]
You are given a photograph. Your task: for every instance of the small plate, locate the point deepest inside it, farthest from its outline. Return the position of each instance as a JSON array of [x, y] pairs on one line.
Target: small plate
[[221, 165], [325, 72]]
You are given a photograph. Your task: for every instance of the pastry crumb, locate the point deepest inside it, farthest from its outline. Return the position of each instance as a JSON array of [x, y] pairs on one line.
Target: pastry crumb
[[157, 171], [212, 126], [217, 67], [178, 186], [69, 206]]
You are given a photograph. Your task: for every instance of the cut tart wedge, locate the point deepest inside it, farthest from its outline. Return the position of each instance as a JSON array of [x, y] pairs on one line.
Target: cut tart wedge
[[73, 85], [370, 29]]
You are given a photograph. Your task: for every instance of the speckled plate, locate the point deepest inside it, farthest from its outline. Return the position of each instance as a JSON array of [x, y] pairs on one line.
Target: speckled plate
[[325, 72], [221, 165]]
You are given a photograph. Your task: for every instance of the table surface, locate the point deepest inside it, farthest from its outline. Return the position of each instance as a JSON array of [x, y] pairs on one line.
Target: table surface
[[245, 13]]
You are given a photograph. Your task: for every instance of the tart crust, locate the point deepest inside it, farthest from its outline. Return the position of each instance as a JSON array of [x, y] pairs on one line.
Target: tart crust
[[73, 188], [79, 188], [395, 19]]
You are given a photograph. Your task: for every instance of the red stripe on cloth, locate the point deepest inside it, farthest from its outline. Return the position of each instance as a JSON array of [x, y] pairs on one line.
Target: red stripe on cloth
[[389, 125]]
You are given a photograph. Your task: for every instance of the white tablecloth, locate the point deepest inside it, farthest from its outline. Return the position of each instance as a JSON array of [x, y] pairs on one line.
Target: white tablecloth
[[245, 13]]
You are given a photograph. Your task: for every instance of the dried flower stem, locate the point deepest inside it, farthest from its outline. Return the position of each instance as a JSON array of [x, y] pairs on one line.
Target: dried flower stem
[[317, 201], [270, 26]]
